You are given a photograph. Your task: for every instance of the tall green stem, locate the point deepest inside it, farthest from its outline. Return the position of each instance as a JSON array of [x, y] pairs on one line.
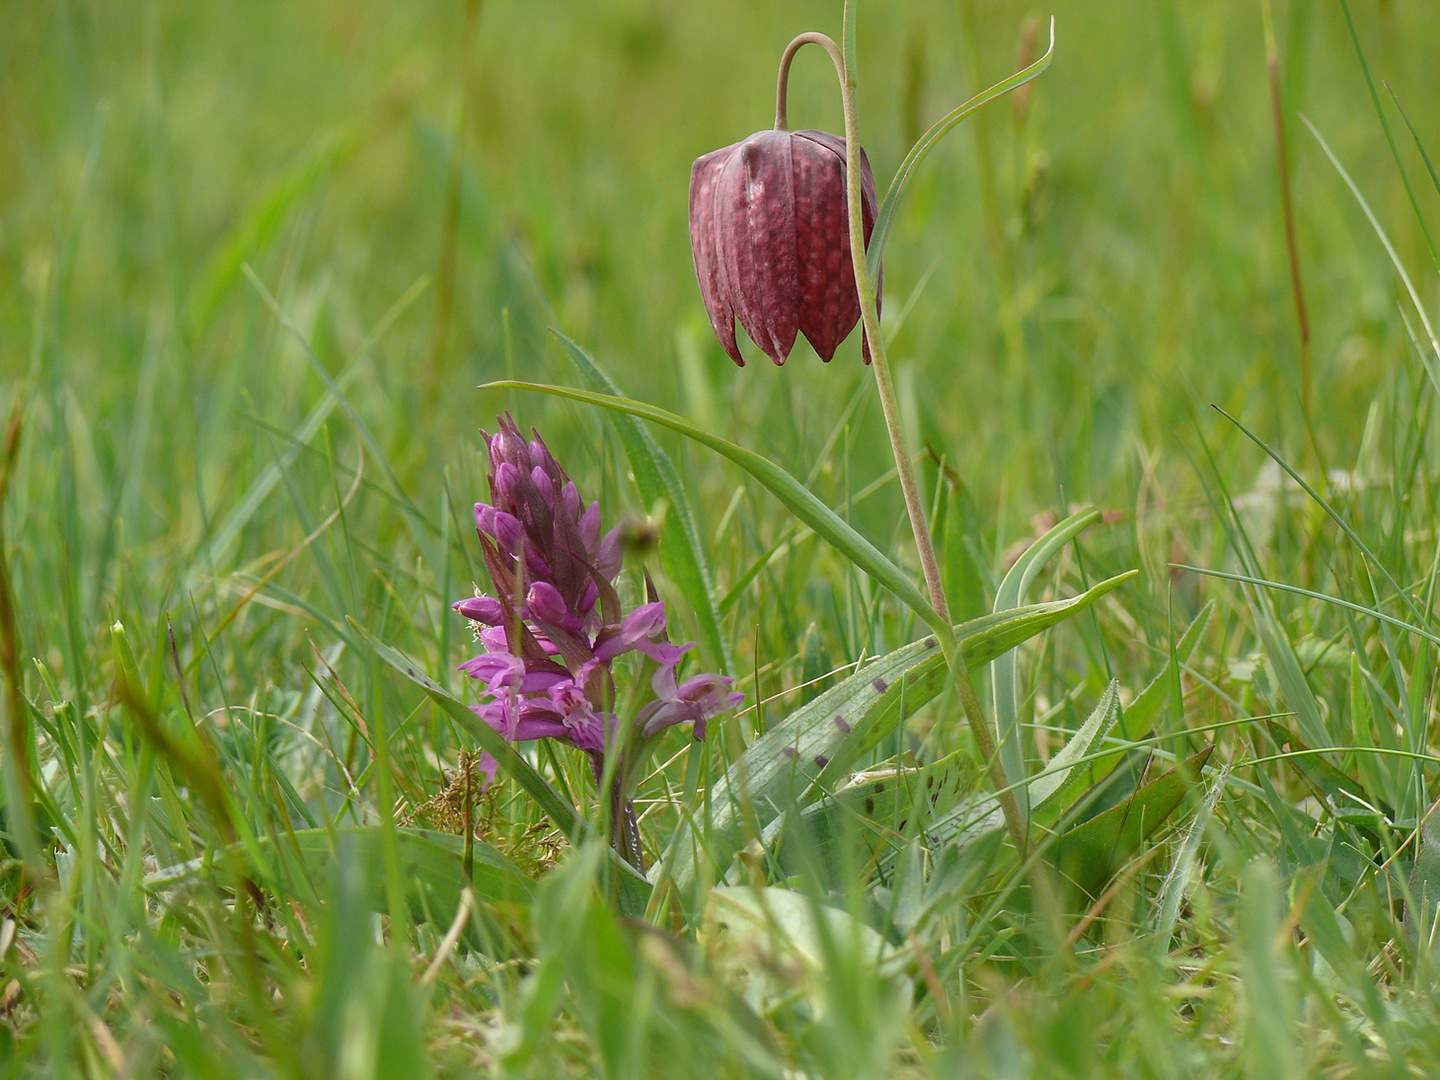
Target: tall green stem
[[938, 614]]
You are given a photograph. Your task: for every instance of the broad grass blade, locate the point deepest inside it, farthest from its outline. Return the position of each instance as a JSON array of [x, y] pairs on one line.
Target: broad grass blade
[[682, 545], [1089, 854], [811, 751], [793, 494], [1268, 1047], [1011, 594], [1322, 926]]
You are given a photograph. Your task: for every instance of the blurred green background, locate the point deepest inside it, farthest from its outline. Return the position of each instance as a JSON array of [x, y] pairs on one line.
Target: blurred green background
[[211, 213], [425, 188]]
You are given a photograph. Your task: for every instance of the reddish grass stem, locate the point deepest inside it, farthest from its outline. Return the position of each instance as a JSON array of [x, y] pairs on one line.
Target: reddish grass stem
[[1287, 208]]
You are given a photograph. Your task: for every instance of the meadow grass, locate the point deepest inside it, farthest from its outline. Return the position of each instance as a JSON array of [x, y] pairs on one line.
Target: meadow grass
[[255, 258]]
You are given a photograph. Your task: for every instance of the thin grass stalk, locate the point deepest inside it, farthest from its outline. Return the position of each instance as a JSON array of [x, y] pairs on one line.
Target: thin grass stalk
[[1287, 209], [450, 213]]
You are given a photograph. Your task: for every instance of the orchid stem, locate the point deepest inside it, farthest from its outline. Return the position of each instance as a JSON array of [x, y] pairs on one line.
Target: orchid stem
[[937, 615]]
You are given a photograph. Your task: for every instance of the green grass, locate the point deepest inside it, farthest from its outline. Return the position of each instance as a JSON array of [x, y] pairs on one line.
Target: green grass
[[255, 257]]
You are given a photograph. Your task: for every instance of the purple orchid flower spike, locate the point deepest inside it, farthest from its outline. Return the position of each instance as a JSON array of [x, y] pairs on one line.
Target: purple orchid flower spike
[[770, 232], [554, 628]]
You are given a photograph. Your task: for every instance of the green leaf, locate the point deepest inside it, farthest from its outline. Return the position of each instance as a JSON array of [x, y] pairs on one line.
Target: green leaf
[[682, 547], [1422, 907], [793, 494], [1347, 799], [1089, 854], [1011, 594], [1060, 772], [431, 863], [964, 578], [927, 142], [1141, 713], [810, 752], [1327, 933], [781, 920], [877, 807], [971, 821]]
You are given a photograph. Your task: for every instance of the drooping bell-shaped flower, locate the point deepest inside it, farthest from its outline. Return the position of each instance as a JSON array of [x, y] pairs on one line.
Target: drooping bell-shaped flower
[[770, 232]]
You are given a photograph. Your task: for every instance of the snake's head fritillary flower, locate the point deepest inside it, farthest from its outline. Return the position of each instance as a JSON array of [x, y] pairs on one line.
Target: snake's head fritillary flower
[[770, 232]]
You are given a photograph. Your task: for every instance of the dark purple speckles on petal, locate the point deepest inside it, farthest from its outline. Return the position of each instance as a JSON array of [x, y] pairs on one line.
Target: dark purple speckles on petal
[[880, 686], [755, 211], [821, 760], [829, 303], [788, 751], [842, 724]]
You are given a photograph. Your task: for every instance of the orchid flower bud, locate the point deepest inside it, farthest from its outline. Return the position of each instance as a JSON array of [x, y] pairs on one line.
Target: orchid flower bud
[[481, 609]]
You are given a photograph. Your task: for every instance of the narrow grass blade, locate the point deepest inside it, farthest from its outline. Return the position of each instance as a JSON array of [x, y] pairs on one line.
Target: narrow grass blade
[[1389, 138], [1268, 628], [682, 546], [1177, 881], [412, 512], [1059, 773], [1141, 713], [1011, 594], [1389, 249], [1330, 512], [1424, 155], [1311, 594], [240, 515], [259, 226], [793, 494]]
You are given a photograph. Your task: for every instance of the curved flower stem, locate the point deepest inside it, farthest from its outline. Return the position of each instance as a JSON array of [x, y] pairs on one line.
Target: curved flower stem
[[782, 82], [938, 616]]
